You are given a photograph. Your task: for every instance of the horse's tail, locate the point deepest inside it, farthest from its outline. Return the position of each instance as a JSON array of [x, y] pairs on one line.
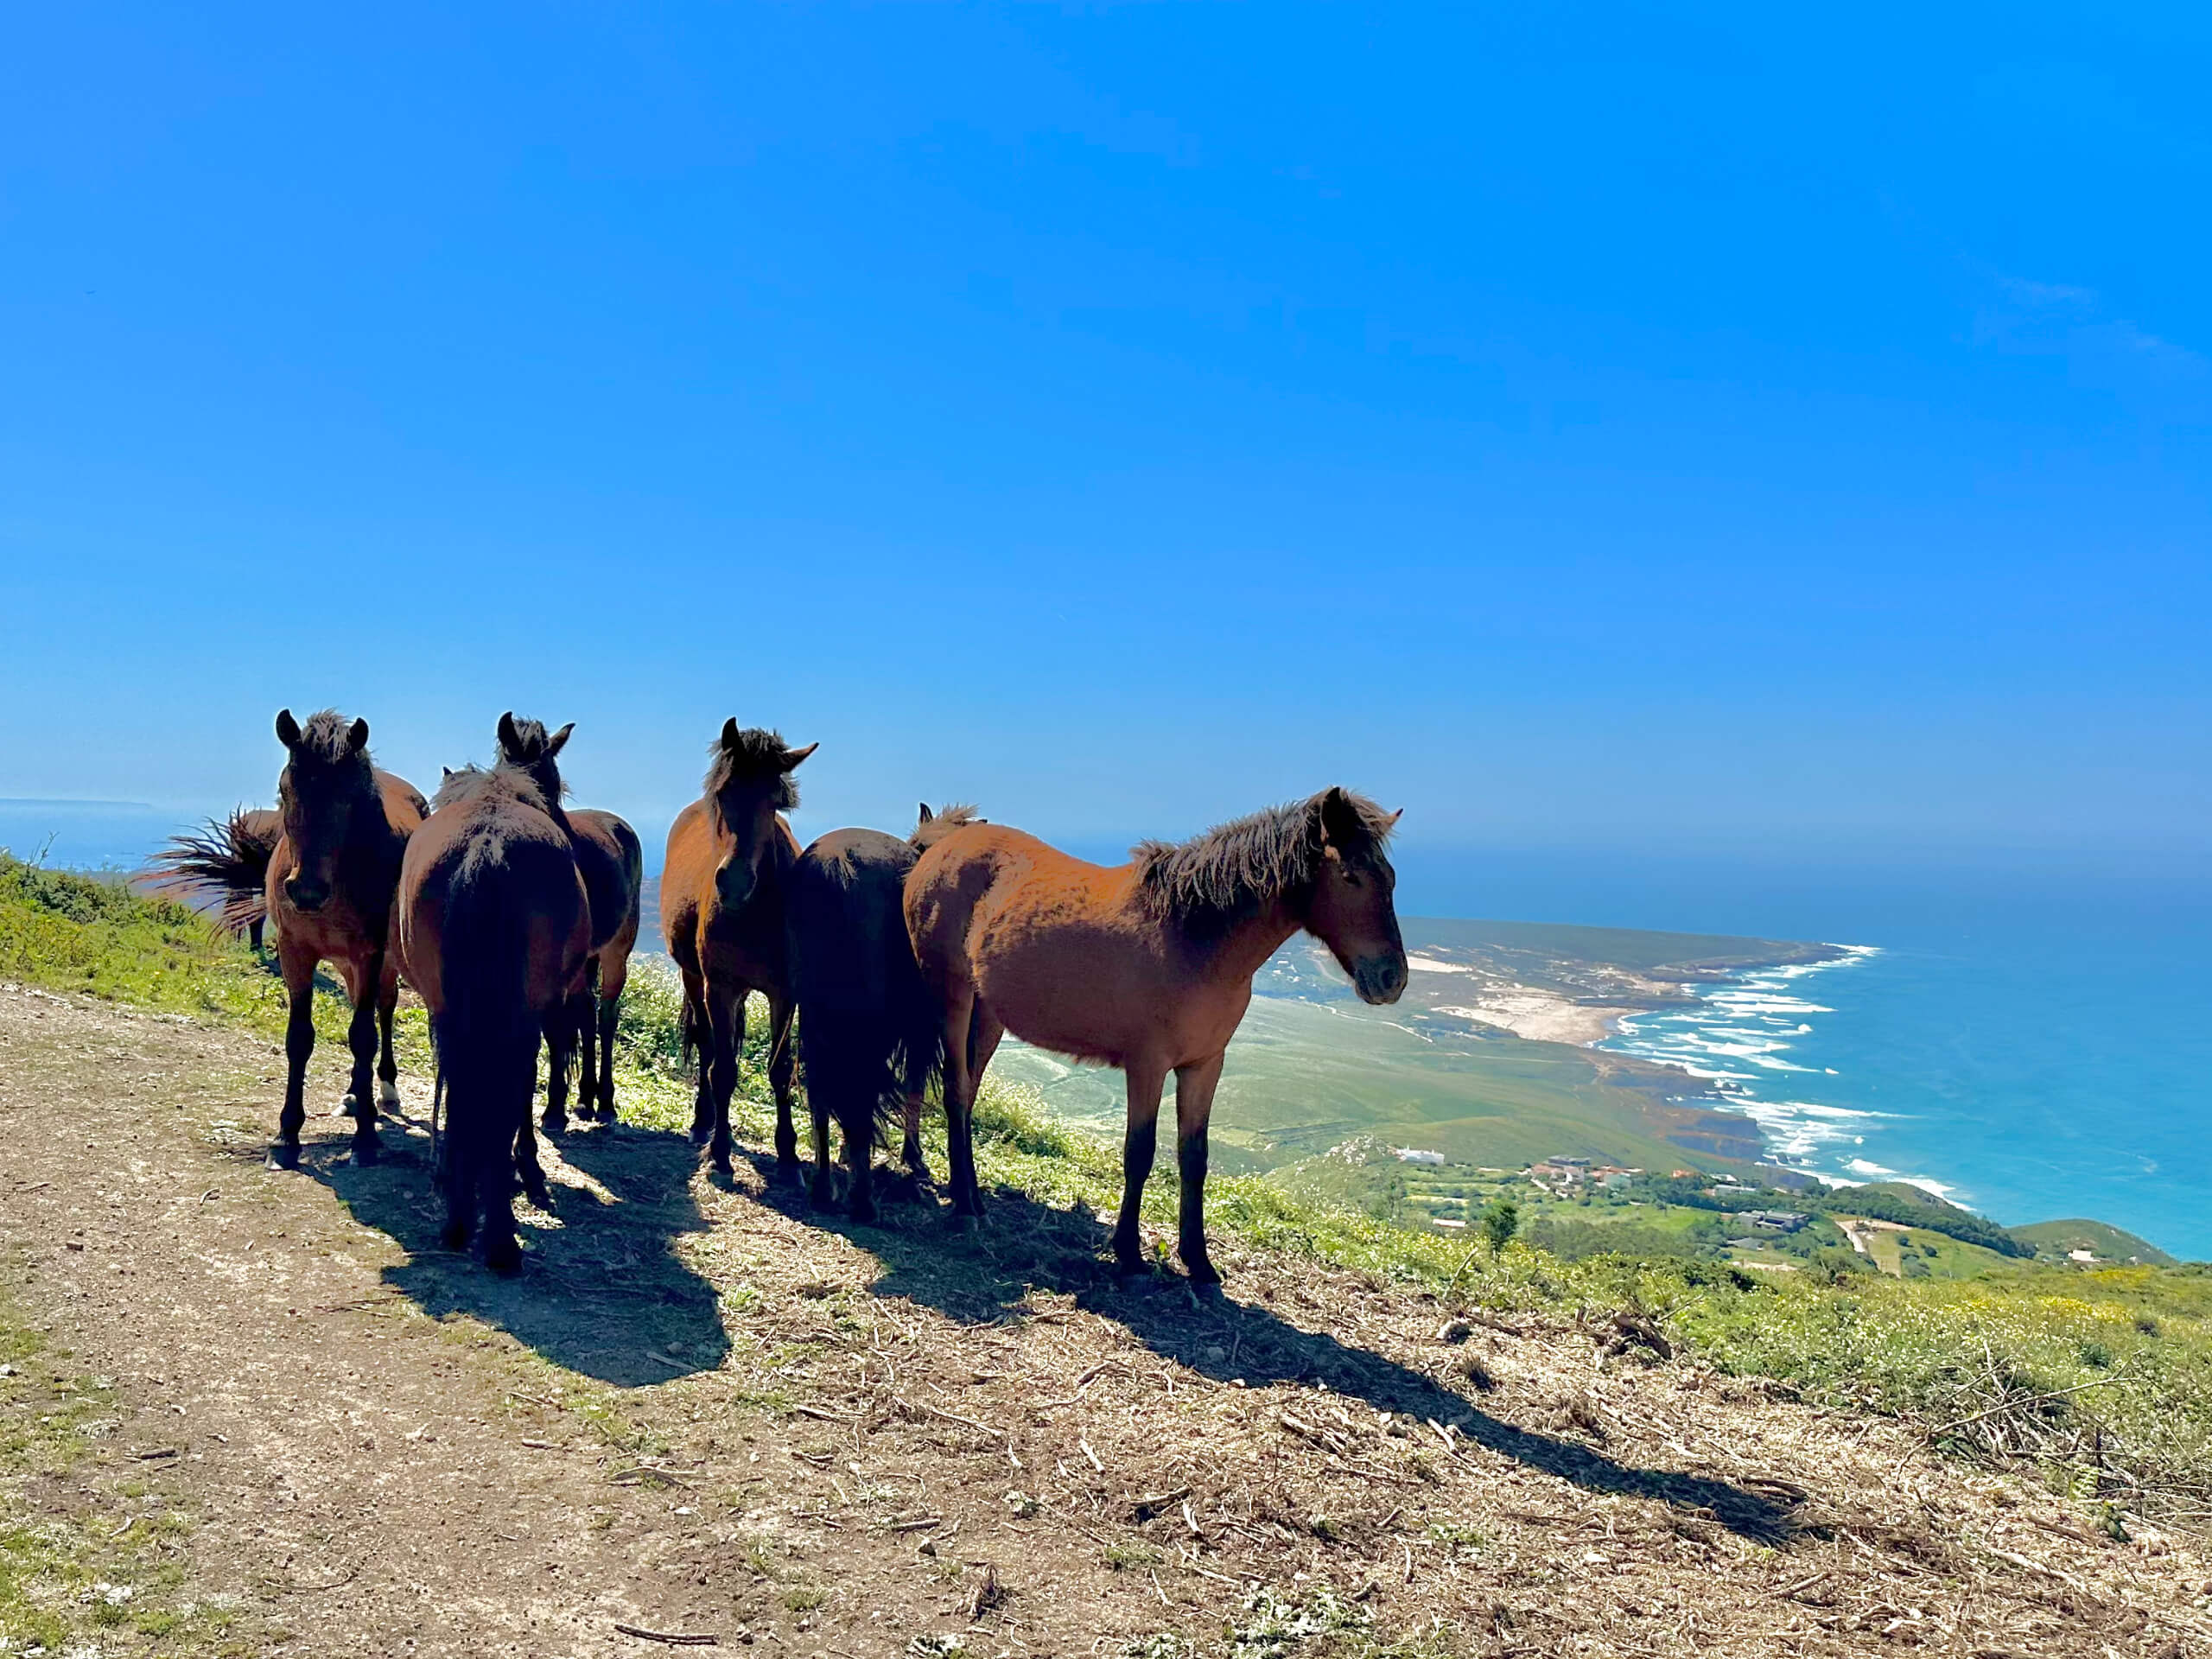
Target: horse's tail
[[487, 1033], [226, 861], [850, 1060]]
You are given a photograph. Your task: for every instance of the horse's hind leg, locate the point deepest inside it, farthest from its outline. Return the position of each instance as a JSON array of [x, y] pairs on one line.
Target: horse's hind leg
[[1194, 1087], [1140, 1142], [363, 983], [917, 1067], [529, 1169], [965, 1018], [561, 1023], [299, 1048], [779, 1080], [613, 975], [387, 1061], [698, 1036]]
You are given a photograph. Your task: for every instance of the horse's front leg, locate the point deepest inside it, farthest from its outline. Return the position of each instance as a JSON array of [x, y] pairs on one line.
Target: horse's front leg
[[780, 1071], [917, 1069], [612, 977], [387, 1008], [1194, 1087], [363, 982], [698, 1037], [725, 1041], [1140, 1142], [298, 965]]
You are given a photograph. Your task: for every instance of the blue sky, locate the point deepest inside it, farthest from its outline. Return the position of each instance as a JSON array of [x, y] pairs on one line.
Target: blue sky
[[1679, 430]]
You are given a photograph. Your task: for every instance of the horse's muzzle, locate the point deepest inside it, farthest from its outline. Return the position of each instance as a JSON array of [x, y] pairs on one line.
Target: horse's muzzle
[[310, 896], [734, 886], [1380, 978]]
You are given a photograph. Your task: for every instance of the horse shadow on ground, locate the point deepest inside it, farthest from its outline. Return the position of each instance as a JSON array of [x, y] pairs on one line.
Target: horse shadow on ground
[[982, 1277], [603, 1292]]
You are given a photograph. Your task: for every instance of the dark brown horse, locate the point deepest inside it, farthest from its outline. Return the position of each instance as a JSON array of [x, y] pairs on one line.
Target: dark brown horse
[[721, 912], [870, 1033], [613, 862], [227, 860], [1147, 966], [329, 887], [496, 928]]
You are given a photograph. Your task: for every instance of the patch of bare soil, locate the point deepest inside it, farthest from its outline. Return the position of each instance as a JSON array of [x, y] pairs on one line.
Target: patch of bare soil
[[701, 1413]]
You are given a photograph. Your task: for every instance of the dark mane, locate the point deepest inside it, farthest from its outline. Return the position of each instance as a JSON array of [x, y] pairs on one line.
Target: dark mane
[[531, 734], [503, 781], [1211, 882], [327, 744], [760, 758], [941, 823]]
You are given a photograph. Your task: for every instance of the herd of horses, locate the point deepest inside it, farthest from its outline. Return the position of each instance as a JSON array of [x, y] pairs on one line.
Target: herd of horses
[[902, 962]]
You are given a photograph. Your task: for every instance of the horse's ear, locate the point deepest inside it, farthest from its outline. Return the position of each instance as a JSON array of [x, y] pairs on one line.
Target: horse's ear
[[288, 729], [445, 774], [553, 743], [357, 735], [729, 733], [925, 816], [792, 757], [1340, 824], [1395, 816], [509, 739]]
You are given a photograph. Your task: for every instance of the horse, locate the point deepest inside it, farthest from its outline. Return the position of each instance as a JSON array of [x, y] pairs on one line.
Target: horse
[[1147, 966], [870, 1034], [226, 859], [328, 889], [496, 928], [611, 860], [721, 913]]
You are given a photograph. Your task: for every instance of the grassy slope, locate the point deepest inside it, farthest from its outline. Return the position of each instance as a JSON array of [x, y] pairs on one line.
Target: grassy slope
[[2053, 1239], [1303, 1077], [1631, 948], [2104, 1376]]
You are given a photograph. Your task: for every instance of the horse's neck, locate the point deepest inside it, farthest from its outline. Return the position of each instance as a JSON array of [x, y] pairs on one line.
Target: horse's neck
[[1244, 949]]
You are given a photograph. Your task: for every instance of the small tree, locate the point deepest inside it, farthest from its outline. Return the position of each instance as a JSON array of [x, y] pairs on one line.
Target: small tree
[[1500, 1220]]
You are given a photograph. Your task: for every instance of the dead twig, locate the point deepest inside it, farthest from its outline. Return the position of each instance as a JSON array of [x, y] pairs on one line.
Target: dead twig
[[672, 1638]]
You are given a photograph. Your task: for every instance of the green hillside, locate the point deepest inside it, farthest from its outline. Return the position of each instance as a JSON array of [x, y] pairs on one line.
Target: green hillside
[[1636, 949], [2052, 1241], [1302, 1076]]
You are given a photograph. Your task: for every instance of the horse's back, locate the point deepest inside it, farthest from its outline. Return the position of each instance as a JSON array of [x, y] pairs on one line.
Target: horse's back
[[687, 878], [484, 877], [404, 809], [613, 863], [847, 928]]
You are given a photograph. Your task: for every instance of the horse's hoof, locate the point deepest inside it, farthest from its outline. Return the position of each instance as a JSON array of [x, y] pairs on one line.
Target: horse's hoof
[[367, 1149], [539, 1194], [349, 1106], [284, 1154], [503, 1256], [388, 1095], [454, 1235], [1209, 1291], [554, 1122], [700, 1134]]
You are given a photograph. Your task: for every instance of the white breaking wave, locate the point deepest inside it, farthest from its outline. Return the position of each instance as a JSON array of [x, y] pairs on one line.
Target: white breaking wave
[[1737, 1035]]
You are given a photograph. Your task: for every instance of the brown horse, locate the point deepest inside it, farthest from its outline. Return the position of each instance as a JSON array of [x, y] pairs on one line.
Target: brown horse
[[721, 912], [870, 1033], [496, 928], [1147, 966], [331, 878], [227, 860], [613, 862]]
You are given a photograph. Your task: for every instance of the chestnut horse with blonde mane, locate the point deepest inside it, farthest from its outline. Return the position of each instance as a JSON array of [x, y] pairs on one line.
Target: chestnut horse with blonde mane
[[1147, 966], [722, 912]]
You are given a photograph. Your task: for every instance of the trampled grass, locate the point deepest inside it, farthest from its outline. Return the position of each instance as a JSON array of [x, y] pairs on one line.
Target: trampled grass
[[2102, 1379]]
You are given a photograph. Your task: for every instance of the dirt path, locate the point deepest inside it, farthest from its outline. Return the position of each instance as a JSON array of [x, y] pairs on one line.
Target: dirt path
[[699, 1413]]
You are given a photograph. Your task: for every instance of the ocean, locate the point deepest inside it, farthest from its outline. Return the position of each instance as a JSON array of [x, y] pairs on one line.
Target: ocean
[[2032, 1041]]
